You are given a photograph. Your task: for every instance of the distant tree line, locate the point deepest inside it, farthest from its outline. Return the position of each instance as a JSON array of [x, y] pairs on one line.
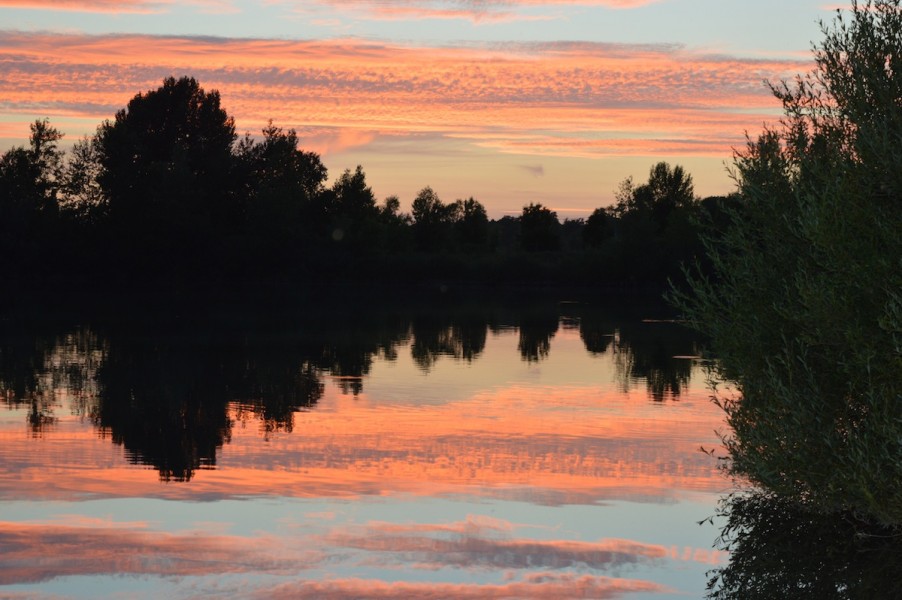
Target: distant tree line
[[167, 191]]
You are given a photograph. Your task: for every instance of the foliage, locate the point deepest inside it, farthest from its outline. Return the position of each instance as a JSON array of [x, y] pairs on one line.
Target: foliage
[[667, 190], [28, 196], [433, 220], [472, 225], [351, 208], [29, 175], [781, 548], [654, 227], [440, 227], [165, 167], [278, 187], [598, 229], [805, 312], [539, 228], [81, 193]]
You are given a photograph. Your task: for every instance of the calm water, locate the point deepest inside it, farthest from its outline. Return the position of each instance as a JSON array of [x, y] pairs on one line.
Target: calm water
[[460, 450]]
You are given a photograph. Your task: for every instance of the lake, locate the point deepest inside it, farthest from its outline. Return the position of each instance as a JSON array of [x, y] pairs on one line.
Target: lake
[[355, 447]]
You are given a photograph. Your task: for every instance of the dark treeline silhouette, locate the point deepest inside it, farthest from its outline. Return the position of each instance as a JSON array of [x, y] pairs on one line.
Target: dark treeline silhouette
[[167, 192], [169, 381]]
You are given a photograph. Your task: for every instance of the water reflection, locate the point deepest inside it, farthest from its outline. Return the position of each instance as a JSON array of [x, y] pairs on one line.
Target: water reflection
[[452, 449], [161, 384], [779, 548], [658, 353], [537, 328], [41, 370], [480, 544]]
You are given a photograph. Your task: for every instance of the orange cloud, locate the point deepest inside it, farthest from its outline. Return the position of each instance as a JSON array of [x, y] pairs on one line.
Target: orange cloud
[[537, 586], [561, 99], [331, 140]]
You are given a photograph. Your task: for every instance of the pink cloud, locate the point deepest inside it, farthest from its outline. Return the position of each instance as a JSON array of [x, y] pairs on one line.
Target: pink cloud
[[334, 139], [430, 552], [37, 552], [116, 6], [473, 10], [102, 6], [536, 586], [487, 544], [561, 99]]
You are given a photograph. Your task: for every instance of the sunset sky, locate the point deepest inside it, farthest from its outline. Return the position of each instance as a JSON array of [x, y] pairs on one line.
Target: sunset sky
[[509, 101]]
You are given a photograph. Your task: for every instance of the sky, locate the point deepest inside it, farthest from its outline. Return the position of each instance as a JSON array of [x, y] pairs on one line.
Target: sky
[[509, 101]]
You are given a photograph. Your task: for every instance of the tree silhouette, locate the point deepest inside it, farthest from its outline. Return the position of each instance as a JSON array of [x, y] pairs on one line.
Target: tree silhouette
[[433, 221], [165, 168], [353, 215], [394, 226], [599, 228], [472, 225], [164, 193], [654, 226], [280, 188], [83, 199], [29, 198], [539, 229]]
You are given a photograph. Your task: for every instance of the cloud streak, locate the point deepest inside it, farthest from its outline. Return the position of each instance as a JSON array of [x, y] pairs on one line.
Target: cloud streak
[[34, 553], [477, 11], [537, 586], [462, 545], [561, 99], [101, 6], [114, 6]]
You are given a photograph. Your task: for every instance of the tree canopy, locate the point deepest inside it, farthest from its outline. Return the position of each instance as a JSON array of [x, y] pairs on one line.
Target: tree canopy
[[805, 308], [166, 163], [28, 196]]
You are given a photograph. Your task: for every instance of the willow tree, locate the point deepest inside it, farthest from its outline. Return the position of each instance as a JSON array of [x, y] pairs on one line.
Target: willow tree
[[805, 308]]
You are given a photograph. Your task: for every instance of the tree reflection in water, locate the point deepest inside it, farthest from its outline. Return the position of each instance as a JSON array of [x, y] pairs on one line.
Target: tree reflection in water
[[658, 352], [536, 331], [166, 383], [780, 548], [650, 350], [460, 336], [38, 366], [163, 398]]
